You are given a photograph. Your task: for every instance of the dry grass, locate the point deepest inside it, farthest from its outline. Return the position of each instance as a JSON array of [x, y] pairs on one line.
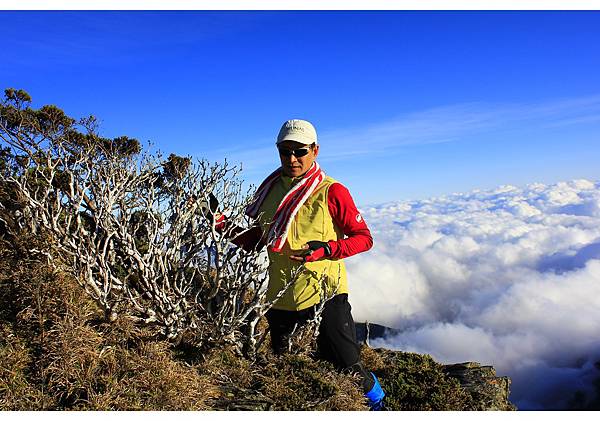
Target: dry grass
[[17, 392], [372, 359], [58, 353], [297, 382], [289, 382]]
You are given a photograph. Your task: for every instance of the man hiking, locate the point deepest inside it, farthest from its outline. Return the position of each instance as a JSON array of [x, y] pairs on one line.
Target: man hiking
[[308, 218]]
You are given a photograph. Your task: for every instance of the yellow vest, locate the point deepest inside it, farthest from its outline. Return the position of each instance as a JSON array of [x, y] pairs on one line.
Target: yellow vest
[[312, 222]]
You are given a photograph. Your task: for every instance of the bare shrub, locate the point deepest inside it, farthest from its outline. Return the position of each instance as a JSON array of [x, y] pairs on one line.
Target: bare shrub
[[303, 338], [132, 226]]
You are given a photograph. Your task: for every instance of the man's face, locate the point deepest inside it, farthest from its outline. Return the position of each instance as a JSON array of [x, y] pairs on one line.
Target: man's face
[[292, 165]]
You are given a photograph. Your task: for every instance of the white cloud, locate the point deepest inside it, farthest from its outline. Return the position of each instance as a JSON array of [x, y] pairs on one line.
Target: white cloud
[[453, 123], [441, 124], [508, 277]]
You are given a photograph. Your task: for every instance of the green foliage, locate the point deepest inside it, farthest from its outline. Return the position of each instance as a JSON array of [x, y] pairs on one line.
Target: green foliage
[[49, 123], [175, 166], [122, 145], [5, 156], [174, 169], [17, 95], [415, 382]]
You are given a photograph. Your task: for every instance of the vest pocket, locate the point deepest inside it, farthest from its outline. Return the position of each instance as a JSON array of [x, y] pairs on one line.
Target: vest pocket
[[309, 223]]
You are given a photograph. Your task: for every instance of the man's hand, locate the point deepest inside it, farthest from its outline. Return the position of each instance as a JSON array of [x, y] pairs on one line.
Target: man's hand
[[209, 207], [314, 250]]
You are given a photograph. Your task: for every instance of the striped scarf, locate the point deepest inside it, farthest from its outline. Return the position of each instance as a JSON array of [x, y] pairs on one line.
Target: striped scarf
[[289, 206]]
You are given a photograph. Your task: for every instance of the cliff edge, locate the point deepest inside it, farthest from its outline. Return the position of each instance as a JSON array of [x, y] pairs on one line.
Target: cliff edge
[[484, 390]]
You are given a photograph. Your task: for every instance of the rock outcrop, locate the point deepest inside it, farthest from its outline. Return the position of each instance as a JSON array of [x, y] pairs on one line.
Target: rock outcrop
[[488, 391]]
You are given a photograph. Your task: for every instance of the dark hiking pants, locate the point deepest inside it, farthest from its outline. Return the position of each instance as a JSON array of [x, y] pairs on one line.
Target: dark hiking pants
[[336, 342]]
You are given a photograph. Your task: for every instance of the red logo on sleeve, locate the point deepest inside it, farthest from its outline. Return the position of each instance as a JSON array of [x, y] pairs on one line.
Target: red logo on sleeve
[[358, 218]]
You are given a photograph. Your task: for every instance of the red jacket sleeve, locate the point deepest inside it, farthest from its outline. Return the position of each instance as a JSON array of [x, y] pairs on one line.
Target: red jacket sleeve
[[346, 216]]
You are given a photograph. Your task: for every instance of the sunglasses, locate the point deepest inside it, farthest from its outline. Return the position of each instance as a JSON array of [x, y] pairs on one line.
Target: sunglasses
[[296, 152]]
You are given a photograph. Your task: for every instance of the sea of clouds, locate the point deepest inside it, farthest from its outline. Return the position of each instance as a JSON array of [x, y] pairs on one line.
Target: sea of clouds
[[508, 277]]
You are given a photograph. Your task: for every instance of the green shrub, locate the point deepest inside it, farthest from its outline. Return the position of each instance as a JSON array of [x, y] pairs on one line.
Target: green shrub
[[414, 382]]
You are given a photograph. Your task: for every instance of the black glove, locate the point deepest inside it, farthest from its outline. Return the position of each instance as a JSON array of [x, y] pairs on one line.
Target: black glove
[[209, 206], [316, 250]]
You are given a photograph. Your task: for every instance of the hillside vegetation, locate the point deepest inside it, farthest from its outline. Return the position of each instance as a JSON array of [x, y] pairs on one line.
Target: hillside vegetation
[[117, 293], [57, 351]]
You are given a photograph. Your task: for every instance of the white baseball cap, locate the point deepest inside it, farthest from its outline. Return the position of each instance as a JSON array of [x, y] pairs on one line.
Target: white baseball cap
[[300, 131]]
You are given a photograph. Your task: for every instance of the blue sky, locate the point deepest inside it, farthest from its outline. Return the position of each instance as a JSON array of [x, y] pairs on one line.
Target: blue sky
[[407, 104]]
